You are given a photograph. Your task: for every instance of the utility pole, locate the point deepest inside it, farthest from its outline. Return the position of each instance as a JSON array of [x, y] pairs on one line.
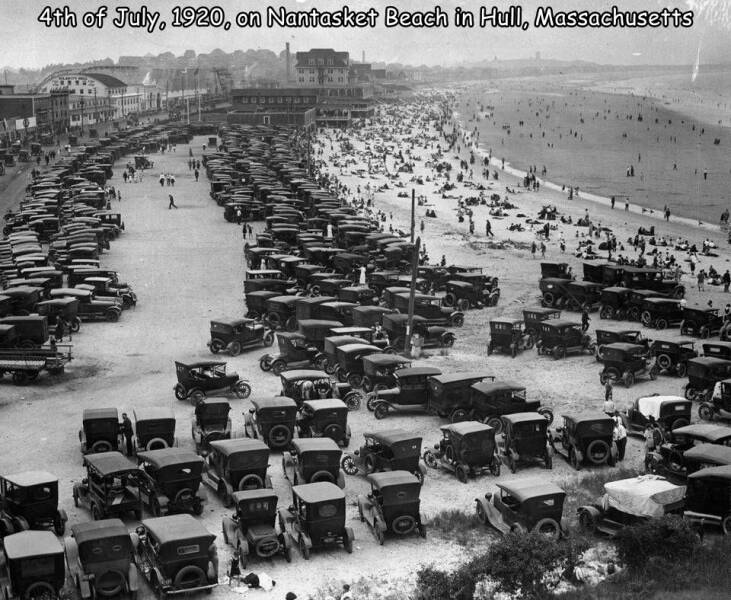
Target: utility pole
[[412, 293], [413, 213]]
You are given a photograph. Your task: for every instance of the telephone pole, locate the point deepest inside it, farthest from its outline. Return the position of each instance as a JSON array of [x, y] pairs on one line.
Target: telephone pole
[[413, 213], [412, 292]]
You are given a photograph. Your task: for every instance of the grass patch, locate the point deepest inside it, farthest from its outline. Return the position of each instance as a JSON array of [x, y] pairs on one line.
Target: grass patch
[[458, 526]]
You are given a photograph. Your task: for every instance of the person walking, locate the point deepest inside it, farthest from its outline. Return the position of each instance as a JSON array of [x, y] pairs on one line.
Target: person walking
[[609, 407], [619, 435], [125, 428], [726, 279], [585, 320], [234, 571], [701, 279], [250, 232], [488, 229], [196, 173], [172, 204], [162, 180], [543, 250], [533, 249]]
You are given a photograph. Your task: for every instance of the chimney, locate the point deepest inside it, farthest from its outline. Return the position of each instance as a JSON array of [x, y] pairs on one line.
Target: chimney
[[288, 64]]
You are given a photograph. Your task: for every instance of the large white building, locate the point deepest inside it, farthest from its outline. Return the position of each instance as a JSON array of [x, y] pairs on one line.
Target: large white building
[[322, 67]]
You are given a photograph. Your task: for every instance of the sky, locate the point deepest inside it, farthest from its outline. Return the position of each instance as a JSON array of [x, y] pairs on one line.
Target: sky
[[28, 43]]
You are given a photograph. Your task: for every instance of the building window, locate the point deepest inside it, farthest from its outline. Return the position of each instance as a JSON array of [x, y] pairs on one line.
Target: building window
[[311, 61], [279, 99], [271, 99], [330, 61], [320, 61]]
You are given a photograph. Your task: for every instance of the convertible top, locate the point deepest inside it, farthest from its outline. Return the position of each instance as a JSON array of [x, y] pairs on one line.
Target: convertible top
[[652, 405], [90, 531], [322, 491], [389, 478], [29, 544], [174, 528], [110, 463], [643, 496], [302, 445], [30, 478], [530, 487], [711, 453]]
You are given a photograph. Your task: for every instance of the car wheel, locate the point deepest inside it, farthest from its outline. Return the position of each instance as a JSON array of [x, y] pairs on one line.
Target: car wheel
[[216, 346], [354, 380], [705, 332], [304, 550], [549, 528], [352, 401], [430, 459], [548, 299], [380, 411], [654, 371], [197, 396], [458, 320], [726, 525], [681, 369], [587, 522], [189, 577], [664, 362], [496, 423], [661, 324], [559, 352], [403, 525], [367, 384], [265, 363], [75, 325], [369, 463], [348, 465], [268, 338], [449, 300], [706, 412], [546, 413], [463, 304], [628, 378], [112, 316], [279, 436], [597, 452], [458, 415], [234, 348], [242, 389], [180, 392], [21, 378], [447, 340], [462, 473], [278, 367], [646, 318]]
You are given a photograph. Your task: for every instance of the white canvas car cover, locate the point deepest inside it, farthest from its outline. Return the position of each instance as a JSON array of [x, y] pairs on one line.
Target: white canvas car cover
[[644, 496], [651, 405]]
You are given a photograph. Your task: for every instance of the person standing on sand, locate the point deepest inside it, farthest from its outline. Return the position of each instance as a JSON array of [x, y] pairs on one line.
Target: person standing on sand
[[543, 250], [533, 249], [172, 204], [488, 229], [667, 214], [701, 279]]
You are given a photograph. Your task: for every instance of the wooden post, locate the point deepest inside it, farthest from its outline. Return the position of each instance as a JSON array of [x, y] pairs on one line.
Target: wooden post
[[412, 293]]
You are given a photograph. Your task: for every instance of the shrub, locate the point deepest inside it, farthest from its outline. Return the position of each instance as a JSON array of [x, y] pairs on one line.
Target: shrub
[[458, 526], [656, 543]]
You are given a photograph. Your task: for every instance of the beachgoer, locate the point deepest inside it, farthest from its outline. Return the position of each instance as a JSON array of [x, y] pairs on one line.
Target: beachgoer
[[619, 435], [171, 204]]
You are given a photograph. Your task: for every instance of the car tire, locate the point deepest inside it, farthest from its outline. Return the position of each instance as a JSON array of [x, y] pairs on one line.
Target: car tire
[[156, 444], [216, 346], [593, 447], [354, 380], [549, 528], [352, 401], [334, 432], [559, 352], [628, 379], [249, 482], [278, 367], [682, 369], [457, 320], [347, 464], [664, 362], [430, 460], [367, 384], [265, 363], [705, 333], [100, 446], [318, 476], [495, 422], [403, 525], [37, 589], [189, 577], [234, 348], [109, 583], [449, 300], [268, 338], [548, 299], [112, 316], [267, 547], [242, 389], [458, 415], [646, 318], [180, 392], [706, 412], [279, 437], [463, 304], [726, 525], [369, 464], [661, 324], [197, 396], [75, 325]]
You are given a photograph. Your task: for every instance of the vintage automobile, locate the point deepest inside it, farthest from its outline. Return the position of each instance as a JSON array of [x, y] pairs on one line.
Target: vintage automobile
[[392, 506], [579, 295], [61, 310], [558, 338], [430, 308], [673, 357], [409, 391], [432, 336], [529, 504], [628, 336], [324, 418], [172, 481], [154, 428], [661, 312], [33, 566], [211, 422], [99, 559], [327, 360], [380, 369], [707, 498], [613, 303], [358, 294], [470, 294], [467, 448], [629, 502], [701, 322], [585, 438], [305, 384], [252, 528], [448, 393], [489, 401], [369, 316], [280, 312], [389, 450], [201, 379], [669, 412], [534, 316], [702, 456], [90, 307], [100, 430], [636, 300], [718, 407], [509, 336], [176, 554], [295, 352], [668, 457], [625, 362], [651, 279], [30, 331], [350, 363], [236, 465], [111, 486], [703, 374], [316, 518], [236, 335], [272, 419], [256, 300], [553, 291], [375, 336], [29, 500], [525, 439], [103, 288], [313, 460], [719, 349]]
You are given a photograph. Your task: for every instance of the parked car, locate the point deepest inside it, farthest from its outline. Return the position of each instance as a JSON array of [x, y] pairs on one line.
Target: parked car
[[449, 393], [380, 369], [233, 336], [509, 336], [176, 554], [702, 456], [272, 419], [316, 518], [306, 384], [61, 310], [172, 482], [668, 457], [703, 374], [90, 307], [99, 430], [625, 362], [33, 566], [324, 418], [470, 294], [467, 448], [558, 338], [628, 336], [718, 349], [629, 502], [661, 312], [585, 438], [534, 316], [669, 412], [99, 555], [313, 460], [701, 322], [236, 465], [252, 528], [295, 352], [29, 500], [614, 303], [110, 488], [432, 336], [673, 357], [430, 308], [154, 428], [211, 422], [525, 439], [706, 499], [350, 365], [410, 390], [392, 506], [198, 380], [524, 505], [489, 401], [718, 407], [389, 450]]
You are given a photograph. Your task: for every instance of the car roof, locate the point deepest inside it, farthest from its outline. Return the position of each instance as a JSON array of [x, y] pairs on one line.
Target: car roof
[[320, 323], [712, 452], [380, 358], [274, 402], [109, 463], [706, 431], [559, 323], [153, 413], [588, 416], [28, 544], [204, 363], [89, 531], [722, 472], [30, 478], [523, 417], [624, 347], [325, 403], [322, 491], [490, 387], [348, 348], [530, 487], [260, 494], [228, 447], [100, 413], [653, 403], [173, 528], [616, 288], [662, 300], [411, 371], [452, 377], [543, 310], [465, 427], [232, 322], [388, 478], [510, 320], [166, 457], [392, 436], [304, 374], [709, 360], [315, 445]]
